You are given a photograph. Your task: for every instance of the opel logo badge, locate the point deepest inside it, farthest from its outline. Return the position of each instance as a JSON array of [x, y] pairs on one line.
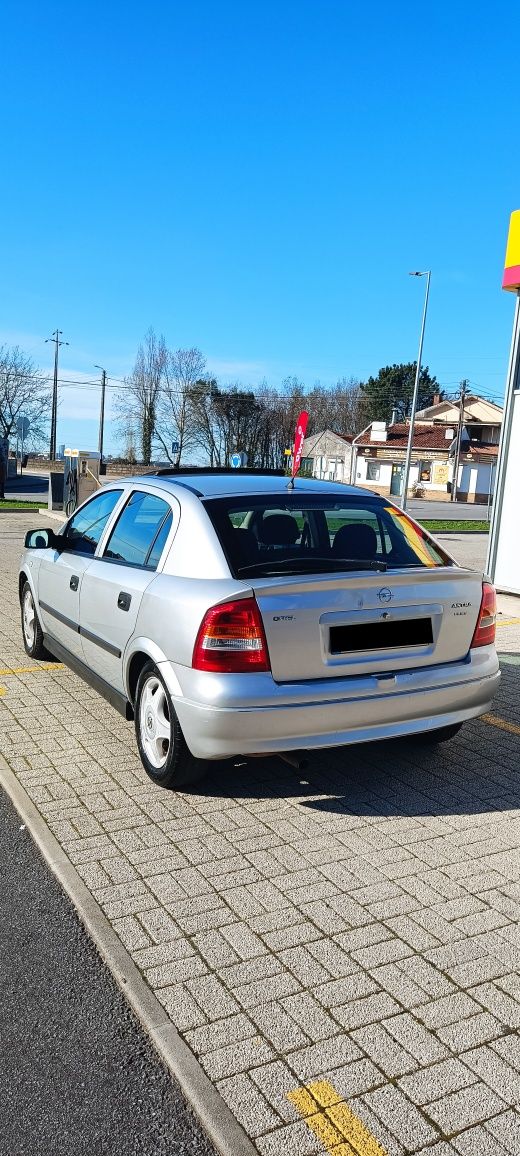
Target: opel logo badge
[[385, 595]]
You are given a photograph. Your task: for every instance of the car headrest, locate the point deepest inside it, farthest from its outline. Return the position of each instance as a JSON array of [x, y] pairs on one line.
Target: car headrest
[[355, 541], [279, 530]]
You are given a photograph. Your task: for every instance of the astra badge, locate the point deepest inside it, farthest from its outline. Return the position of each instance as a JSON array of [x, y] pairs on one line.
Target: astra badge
[[385, 595]]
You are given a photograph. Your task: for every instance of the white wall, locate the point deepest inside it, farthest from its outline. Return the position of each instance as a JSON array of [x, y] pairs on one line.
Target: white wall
[[507, 569]]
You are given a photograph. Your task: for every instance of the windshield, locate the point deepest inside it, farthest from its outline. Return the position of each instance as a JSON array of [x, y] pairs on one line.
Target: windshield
[[294, 534]]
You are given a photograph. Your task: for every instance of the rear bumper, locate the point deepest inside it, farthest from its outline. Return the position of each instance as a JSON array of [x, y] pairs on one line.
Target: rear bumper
[[226, 715]]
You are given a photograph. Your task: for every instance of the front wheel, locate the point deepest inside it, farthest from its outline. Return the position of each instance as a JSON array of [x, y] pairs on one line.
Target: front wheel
[[441, 735], [162, 746], [31, 629]]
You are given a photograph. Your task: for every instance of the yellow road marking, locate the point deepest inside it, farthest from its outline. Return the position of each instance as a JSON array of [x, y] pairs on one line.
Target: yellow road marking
[[340, 1131], [7, 670], [2, 690], [494, 721], [508, 621]]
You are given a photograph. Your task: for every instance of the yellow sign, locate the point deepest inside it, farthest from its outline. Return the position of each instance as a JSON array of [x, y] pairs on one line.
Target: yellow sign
[[440, 473], [511, 279]]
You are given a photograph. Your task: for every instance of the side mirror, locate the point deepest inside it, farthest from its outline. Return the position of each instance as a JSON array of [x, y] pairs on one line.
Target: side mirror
[[42, 540]]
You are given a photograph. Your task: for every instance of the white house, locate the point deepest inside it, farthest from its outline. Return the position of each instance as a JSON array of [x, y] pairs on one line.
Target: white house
[[380, 453], [327, 455]]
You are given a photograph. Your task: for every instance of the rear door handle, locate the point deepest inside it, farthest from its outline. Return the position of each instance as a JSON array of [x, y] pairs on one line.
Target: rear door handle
[[124, 600], [74, 582]]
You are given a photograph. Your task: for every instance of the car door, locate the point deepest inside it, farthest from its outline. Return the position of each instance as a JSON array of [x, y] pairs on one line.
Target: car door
[[114, 583], [62, 571]]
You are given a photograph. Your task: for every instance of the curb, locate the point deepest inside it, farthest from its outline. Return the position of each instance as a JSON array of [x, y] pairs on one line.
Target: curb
[[462, 533], [216, 1118], [54, 515], [19, 510]]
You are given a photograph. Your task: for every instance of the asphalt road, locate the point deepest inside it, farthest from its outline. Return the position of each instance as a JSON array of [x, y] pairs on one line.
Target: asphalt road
[[28, 486], [77, 1074]]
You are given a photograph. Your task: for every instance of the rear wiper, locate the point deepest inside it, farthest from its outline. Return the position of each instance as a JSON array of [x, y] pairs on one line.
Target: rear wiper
[[311, 564]]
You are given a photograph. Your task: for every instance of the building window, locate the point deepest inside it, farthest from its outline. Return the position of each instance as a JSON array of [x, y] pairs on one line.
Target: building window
[[373, 471], [425, 471]]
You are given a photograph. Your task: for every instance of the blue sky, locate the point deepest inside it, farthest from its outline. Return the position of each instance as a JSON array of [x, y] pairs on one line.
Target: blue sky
[[257, 180]]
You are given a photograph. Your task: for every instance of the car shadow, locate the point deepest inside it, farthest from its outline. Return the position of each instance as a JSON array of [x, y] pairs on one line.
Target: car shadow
[[475, 772]]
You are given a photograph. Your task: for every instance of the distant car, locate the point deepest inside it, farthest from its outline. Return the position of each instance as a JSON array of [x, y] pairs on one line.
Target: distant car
[[231, 613]]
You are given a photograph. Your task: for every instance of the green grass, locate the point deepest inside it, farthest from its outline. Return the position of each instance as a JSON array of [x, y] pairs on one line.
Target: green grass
[[8, 504], [439, 525]]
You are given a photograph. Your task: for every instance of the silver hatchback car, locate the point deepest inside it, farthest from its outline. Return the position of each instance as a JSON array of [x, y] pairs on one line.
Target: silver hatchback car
[[230, 612]]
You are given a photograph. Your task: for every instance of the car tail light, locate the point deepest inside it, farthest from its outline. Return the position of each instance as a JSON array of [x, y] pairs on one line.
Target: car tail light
[[486, 624], [231, 639]]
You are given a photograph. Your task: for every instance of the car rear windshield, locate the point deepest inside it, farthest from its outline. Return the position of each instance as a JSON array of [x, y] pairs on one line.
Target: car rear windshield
[[293, 534]]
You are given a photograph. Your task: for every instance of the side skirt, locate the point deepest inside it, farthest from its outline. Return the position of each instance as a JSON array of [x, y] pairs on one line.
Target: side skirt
[[114, 697]]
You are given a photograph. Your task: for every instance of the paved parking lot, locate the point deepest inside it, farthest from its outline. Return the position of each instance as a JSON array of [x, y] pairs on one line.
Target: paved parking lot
[[339, 948]]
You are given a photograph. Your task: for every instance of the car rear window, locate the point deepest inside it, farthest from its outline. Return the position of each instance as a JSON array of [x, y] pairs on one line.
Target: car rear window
[[288, 534]]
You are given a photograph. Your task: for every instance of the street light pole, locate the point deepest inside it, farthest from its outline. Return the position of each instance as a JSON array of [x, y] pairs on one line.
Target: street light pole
[[54, 408], [427, 274], [102, 410]]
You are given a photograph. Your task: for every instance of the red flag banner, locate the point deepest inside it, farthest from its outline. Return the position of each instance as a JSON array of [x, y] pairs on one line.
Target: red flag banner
[[299, 437]]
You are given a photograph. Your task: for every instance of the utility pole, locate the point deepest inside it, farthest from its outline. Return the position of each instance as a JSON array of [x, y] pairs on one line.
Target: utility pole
[[455, 482], [102, 410], [54, 409], [408, 460]]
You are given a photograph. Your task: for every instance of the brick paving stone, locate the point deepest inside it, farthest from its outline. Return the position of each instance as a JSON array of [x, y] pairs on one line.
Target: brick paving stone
[[248, 1104], [394, 981], [509, 1048], [275, 1080], [266, 990], [279, 1029], [415, 1038], [369, 1010], [437, 1080], [290, 1140], [311, 1063], [506, 1129], [303, 966], [241, 1056], [448, 1010], [181, 1006], [384, 1051], [471, 1105], [211, 995], [243, 941], [498, 1002], [477, 1140], [495, 1071], [401, 1117], [306, 1012], [467, 1033], [341, 991], [221, 1033]]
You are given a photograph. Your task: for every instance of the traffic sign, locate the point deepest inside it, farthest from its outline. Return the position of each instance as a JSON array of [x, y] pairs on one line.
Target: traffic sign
[[175, 447], [238, 459], [23, 426]]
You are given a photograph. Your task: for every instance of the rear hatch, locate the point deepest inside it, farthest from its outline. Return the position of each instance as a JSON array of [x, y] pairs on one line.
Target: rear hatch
[[347, 583], [353, 624]]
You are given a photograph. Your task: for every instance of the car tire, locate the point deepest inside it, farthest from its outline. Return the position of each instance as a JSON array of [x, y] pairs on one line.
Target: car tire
[[32, 632], [441, 735], [164, 753]]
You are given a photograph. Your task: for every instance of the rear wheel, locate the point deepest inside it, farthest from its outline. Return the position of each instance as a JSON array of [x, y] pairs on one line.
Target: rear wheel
[[31, 629], [162, 746], [441, 735]]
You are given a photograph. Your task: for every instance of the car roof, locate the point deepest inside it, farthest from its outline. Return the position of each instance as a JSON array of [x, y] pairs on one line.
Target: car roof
[[220, 484]]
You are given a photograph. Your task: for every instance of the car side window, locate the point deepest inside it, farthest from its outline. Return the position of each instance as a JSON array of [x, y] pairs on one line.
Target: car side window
[[86, 527], [140, 533]]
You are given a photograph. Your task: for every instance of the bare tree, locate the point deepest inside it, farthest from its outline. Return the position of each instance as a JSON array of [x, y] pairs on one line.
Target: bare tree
[[137, 404], [176, 416], [24, 392]]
